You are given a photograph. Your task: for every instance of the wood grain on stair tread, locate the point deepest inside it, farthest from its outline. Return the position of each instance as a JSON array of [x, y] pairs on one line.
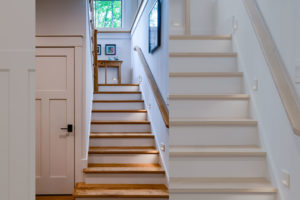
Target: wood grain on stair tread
[[119, 111], [122, 135], [124, 168], [118, 101], [221, 185], [83, 190], [195, 122], [123, 150], [118, 84], [217, 152], [112, 133], [118, 92], [200, 37], [120, 122], [206, 74], [190, 54], [209, 96]]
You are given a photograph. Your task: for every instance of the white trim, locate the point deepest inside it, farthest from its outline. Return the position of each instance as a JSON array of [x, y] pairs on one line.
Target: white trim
[[59, 41], [75, 42], [139, 15]]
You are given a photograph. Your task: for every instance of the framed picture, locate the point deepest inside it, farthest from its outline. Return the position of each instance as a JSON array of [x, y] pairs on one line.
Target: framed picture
[[155, 27], [99, 49], [110, 49]]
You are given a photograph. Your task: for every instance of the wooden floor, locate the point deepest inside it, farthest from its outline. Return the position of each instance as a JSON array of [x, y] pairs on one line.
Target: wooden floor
[[54, 198]]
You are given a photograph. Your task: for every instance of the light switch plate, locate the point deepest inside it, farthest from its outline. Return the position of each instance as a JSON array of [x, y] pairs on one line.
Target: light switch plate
[[285, 178], [255, 85]]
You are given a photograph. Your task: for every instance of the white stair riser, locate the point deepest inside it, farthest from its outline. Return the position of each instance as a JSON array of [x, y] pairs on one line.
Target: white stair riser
[[123, 158], [209, 108], [214, 135], [118, 96], [119, 88], [225, 196], [111, 178], [121, 142], [203, 64], [118, 106], [120, 116], [200, 46], [120, 128], [218, 167], [208, 85], [121, 198]]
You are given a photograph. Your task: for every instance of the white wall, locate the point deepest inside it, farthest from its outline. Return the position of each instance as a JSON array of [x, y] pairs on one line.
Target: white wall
[[203, 17], [69, 17], [60, 17], [158, 62], [17, 88], [282, 18], [123, 42], [278, 138], [89, 80]]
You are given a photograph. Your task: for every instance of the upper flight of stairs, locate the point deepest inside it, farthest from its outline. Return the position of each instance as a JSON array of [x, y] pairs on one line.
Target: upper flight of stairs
[[123, 161], [215, 150]]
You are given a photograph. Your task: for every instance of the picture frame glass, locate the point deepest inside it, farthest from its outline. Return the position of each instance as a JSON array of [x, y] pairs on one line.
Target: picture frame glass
[[110, 49], [154, 27]]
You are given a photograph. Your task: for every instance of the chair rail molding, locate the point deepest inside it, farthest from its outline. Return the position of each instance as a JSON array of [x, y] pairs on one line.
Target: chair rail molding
[[285, 87]]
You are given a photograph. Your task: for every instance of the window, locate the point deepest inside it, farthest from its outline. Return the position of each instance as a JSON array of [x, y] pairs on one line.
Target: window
[[108, 13]]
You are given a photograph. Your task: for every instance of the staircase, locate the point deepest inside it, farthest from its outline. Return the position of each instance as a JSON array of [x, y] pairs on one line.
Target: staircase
[[215, 150], [123, 162]]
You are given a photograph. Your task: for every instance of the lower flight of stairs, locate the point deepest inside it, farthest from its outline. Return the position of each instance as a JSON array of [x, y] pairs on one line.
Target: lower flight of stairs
[[123, 161], [215, 150]]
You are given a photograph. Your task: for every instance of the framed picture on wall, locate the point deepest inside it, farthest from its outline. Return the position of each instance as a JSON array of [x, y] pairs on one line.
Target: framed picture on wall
[[99, 49], [155, 27], [110, 49]]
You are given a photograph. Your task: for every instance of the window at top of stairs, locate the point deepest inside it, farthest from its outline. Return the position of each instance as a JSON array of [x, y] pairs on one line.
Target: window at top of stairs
[[108, 14]]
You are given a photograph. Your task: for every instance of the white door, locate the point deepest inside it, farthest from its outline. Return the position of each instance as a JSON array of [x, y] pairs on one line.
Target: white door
[[54, 111]]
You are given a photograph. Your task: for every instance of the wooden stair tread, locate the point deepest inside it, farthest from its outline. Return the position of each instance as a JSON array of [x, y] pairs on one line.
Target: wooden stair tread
[[213, 121], [118, 84], [118, 92], [121, 135], [209, 96], [212, 54], [112, 133], [221, 185], [201, 37], [119, 111], [83, 190], [120, 122], [217, 152], [124, 168], [118, 101], [123, 150], [206, 74]]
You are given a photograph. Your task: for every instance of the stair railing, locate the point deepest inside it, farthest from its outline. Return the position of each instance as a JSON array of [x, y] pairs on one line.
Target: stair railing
[[159, 99], [285, 87], [94, 36]]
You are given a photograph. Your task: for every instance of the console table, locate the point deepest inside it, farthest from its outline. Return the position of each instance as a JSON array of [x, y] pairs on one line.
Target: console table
[[110, 64]]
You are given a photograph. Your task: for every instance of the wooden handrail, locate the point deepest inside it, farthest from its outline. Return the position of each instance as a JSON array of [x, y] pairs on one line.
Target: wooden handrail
[[285, 87], [159, 99], [95, 61]]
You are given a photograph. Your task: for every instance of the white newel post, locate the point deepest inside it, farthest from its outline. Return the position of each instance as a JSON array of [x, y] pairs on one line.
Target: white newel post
[[17, 86]]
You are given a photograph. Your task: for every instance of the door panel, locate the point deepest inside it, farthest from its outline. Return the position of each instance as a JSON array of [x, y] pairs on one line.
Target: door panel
[[54, 110]]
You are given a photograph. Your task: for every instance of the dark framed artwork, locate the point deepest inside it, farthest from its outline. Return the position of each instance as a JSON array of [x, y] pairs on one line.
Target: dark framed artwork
[[99, 49], [110, 49], [155, 27]]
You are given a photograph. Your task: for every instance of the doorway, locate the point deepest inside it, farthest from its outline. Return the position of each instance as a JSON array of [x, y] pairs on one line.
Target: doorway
[[55, 116]]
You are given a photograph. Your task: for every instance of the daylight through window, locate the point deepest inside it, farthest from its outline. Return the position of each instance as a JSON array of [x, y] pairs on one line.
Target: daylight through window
[[108, 14]]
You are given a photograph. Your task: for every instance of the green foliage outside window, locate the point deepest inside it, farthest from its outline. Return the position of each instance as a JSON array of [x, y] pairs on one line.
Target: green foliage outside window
[[108, 13]]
